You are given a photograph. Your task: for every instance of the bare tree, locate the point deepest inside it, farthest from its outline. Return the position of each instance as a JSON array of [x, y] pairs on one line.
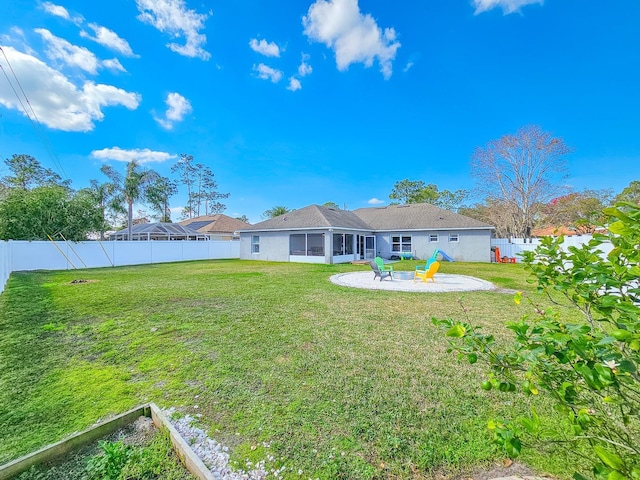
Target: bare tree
[[521, 172]]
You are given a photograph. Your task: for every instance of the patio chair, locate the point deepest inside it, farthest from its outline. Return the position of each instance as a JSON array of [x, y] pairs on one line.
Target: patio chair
[[380, 273], [382, 266], [430, 260], [433, 268]]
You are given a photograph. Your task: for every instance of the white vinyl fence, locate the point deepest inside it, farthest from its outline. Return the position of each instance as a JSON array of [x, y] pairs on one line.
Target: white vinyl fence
[[18, 255], [5, 264], [511, 247]]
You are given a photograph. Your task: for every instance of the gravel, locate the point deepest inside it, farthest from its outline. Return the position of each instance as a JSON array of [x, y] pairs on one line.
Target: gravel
[[403, 281], [215, 455]]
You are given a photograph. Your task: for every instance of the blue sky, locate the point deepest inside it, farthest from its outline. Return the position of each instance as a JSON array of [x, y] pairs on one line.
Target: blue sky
[[293, 103]]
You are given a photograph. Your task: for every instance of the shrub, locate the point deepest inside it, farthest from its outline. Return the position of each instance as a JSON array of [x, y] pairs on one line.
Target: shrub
[[589, 367]]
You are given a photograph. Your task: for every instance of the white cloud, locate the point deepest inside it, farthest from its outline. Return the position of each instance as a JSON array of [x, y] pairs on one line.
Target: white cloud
[[268, 49], [178, 107], [113, 64], [58, 103], [304, 69], [294, 84], [375, 201], [110, 39], [407, 67], [74, 56], [140, 155], [508, 6], [173, 17], [267, 73], [60, 49], [60, 11], [353, 36], [57, 10]]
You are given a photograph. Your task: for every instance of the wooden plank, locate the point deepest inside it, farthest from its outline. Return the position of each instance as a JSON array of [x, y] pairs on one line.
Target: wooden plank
[[64, 447], [182, 448]]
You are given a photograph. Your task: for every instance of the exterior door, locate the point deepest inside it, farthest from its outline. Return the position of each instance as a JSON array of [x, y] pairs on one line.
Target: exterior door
[[369, 247]]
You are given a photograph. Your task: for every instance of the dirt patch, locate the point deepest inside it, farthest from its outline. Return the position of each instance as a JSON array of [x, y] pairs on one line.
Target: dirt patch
[[505, 290], [500, 471], [78, 281]]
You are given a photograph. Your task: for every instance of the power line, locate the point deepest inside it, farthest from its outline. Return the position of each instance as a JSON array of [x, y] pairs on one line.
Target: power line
[[39, 130]]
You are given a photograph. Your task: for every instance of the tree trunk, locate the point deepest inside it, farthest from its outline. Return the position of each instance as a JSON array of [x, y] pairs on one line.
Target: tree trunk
[[130, 220]]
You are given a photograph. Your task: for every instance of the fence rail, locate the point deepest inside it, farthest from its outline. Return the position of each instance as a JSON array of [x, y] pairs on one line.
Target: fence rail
[[16, 255], [512, 247]]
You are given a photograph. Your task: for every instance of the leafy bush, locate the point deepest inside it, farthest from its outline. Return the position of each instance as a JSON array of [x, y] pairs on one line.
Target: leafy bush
[[110, 463], [125, 462], [589, 368]]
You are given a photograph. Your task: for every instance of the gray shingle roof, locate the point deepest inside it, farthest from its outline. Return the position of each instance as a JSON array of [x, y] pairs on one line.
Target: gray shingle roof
[[218, 223], [313, 216], [416, 216]]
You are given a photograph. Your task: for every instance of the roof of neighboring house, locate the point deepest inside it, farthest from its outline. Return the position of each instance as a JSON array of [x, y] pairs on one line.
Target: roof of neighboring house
[[418, 216], [313, 216], [157, 229], [553, 232], [218, 223]]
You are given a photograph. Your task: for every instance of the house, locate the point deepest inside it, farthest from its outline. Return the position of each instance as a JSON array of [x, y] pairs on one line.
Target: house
[[158, 231], [316, 234], [217, 227]]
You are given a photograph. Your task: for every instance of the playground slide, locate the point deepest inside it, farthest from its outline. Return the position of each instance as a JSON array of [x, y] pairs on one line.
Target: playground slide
[[445, 256]]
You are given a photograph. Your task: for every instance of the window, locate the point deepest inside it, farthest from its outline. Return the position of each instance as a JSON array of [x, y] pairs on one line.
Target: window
[[433, 237], [342, 244], [315, 244], [453, 237], [255, 244], [401, 244], [298, 244], [306, 244]]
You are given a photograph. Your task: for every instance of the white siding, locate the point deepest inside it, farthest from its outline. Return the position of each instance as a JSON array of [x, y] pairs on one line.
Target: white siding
[[472, 245]]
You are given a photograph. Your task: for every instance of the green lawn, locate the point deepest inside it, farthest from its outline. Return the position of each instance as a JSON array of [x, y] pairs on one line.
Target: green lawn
[[336, 382]]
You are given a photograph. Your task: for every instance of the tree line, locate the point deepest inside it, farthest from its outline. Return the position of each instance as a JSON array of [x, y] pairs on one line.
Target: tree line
[[36, 203], [520, 178]]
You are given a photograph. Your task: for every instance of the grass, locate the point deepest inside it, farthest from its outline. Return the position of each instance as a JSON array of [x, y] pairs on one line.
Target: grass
[[336, 382]]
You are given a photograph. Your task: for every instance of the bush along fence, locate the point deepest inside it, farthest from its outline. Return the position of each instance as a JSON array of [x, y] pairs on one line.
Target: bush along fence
[[17, 255]]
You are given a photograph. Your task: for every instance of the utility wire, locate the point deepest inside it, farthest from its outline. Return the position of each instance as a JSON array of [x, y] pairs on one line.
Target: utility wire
[[39, 131]]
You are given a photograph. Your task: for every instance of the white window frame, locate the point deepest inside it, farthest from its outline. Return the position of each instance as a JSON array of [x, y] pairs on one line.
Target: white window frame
[[454, 237], [431, 237], [255, 244], [400, 243]]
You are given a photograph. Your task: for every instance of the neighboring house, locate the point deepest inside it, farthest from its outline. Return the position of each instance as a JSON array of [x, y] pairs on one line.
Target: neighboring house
[[316, 234], [158, 231], [217, 227]]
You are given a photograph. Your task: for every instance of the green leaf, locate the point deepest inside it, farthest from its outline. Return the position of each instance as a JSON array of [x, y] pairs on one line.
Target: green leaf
[[616, 476], [513, 446], [610, 459], [457, 331], [627, 366]]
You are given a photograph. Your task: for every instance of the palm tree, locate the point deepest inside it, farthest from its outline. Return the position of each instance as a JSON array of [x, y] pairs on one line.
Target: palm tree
[[275, 211], [102, 194], [131, 188]]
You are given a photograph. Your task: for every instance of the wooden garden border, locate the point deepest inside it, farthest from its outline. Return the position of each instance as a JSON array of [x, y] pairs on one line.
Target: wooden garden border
[[56, 450]]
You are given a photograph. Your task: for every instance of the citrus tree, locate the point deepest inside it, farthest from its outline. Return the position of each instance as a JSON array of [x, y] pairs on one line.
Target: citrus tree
[[588, 367]]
